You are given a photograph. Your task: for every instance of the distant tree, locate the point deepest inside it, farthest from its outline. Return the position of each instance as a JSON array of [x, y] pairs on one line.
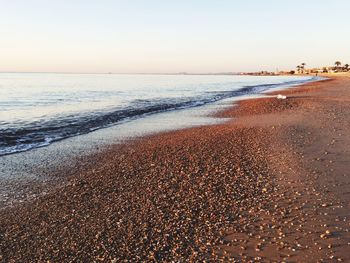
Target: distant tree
[[346, 67], [298, 68], [303, 65], [292, 72], [337, 64]]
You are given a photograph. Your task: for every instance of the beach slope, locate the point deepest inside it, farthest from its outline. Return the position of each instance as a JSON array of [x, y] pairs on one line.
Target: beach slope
[[272, 184]]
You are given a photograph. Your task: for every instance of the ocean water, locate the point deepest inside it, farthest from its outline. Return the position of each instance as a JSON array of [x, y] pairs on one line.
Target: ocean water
[[37, 109]]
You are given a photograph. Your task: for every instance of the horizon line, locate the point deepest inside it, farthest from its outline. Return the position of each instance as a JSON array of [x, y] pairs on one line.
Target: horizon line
[[127, 73]]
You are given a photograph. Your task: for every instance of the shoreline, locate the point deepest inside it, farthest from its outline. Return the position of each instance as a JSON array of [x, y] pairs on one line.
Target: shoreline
[[238, 174], [23, 175], [44, 137]]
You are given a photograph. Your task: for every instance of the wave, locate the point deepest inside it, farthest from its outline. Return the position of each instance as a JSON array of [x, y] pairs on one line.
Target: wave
[[42, 133]]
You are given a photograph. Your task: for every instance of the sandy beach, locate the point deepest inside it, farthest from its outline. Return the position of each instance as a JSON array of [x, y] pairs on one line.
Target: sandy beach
[[269, 185]]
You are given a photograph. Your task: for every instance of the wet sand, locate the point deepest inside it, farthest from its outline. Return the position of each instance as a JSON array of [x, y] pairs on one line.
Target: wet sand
[[272, 184]]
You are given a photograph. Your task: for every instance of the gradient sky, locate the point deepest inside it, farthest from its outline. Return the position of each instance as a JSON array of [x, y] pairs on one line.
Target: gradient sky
[[171, 36]]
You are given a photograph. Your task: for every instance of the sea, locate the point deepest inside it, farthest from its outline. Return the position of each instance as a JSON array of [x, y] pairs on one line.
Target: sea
[[38, 109]]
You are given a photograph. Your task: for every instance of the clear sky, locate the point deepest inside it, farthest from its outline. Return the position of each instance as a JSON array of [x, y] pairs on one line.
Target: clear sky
[[171, 35]]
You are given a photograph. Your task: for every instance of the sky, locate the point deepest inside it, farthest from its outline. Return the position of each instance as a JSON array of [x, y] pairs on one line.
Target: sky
[[168, 36]]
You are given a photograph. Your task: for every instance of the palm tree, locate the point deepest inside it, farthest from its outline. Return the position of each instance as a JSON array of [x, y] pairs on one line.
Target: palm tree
[[337, 64], [346, 67], [303, 65], [298, 68]]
